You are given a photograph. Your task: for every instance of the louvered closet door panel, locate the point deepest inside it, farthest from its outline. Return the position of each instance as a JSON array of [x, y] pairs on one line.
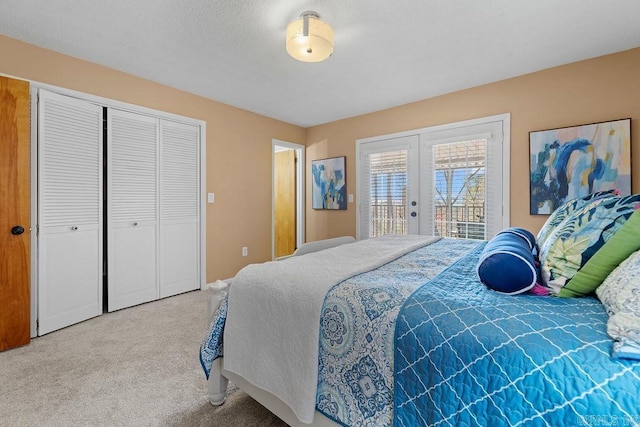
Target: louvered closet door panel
[[132, 174], [69, 211], [179, 208]]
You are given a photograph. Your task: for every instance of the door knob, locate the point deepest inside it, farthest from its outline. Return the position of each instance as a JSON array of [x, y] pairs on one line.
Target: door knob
[[18, 229], [414, 214]]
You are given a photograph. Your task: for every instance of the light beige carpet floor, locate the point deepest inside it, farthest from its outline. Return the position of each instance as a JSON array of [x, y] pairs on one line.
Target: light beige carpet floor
[[134, 367]]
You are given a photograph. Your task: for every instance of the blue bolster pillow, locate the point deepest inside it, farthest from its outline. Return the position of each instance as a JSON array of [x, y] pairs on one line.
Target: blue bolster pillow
[[508, 262]]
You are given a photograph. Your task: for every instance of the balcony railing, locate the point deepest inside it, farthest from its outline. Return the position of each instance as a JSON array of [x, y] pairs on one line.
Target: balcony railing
[[387, 218], [461, 222]]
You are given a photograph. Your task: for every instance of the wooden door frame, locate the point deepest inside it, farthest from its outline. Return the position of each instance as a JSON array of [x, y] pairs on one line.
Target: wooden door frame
[[300, 199]]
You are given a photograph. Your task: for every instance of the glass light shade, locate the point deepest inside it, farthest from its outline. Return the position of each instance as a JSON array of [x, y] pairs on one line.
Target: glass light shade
[[314, 47]]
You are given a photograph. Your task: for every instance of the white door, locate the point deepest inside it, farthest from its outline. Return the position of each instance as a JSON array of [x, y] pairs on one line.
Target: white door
[[450, 180], [461, 180], [388, 187], [132, 206], [69, 211], [179, 208]]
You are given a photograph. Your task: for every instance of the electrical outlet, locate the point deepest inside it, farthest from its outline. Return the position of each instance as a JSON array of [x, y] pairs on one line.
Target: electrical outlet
[[245, 251], [211, 198]]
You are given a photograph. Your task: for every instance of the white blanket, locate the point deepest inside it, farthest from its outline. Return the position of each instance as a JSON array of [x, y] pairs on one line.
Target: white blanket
[[272, 330]]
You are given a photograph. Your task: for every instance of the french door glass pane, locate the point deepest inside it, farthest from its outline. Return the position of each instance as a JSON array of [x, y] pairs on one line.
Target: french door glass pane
[[460, 188], [388, 193]]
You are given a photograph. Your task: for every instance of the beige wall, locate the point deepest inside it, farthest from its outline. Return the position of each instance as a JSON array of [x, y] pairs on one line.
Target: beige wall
[[600, 89], [238, 147], [239, 142]]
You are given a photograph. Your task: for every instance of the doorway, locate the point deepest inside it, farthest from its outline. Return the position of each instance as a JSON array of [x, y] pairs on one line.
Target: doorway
[[448, 180], [287, 198]]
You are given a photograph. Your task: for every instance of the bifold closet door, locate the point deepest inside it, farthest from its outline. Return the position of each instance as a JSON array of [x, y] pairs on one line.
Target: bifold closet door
[[132, 206], [69, 211], [179, 208]]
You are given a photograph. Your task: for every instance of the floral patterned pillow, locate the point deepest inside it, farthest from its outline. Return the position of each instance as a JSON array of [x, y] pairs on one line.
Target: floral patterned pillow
[[565, 210], [579, 236], [620, 295], [618, 248]]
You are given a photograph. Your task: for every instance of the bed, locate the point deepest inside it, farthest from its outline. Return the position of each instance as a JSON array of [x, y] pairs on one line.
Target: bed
[[408, 335]]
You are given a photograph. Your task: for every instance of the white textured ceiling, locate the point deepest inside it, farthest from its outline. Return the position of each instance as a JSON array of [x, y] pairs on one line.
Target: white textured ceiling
[[386, 53]]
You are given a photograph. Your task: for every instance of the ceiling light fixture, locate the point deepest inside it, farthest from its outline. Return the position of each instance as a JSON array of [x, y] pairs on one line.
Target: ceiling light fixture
[[309, 39]]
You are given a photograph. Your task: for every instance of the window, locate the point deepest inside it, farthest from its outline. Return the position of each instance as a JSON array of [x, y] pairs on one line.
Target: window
[[388, 184], [460, 189]]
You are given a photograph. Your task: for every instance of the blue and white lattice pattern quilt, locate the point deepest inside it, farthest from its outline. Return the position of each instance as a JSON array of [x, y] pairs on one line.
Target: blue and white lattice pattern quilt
[[355, 377], [469, 356]]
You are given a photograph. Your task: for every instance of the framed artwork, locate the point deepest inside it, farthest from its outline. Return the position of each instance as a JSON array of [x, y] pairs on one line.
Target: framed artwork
[[329, 183], [571, 162]]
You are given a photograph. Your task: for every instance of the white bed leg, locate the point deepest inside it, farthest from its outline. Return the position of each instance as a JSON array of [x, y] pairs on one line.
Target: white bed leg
[[220, 289], [217, 384]]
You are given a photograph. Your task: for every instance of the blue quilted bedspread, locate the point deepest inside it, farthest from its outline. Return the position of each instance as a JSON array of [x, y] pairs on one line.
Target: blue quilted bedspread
[[357, 323], [467, 356], [461, 354]]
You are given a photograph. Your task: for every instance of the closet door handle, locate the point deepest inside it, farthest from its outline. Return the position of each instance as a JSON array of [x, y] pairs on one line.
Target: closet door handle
[[74, 228], [17, 230], [135, 224]]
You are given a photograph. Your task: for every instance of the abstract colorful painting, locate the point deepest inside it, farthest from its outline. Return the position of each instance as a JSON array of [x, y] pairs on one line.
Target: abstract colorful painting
[[329, 187], [571, 162]]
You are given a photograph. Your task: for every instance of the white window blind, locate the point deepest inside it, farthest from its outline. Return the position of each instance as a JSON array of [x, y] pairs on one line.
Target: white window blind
[[466, 182], [459, 189], [387, 187], [387, 178]]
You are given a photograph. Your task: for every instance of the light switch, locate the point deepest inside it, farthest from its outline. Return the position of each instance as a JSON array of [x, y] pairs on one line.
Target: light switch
[[211, 198], [350, 198]]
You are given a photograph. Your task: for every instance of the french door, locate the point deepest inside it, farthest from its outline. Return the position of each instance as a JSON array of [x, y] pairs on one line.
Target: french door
[[450, 180], [388, 187], [462, 180]]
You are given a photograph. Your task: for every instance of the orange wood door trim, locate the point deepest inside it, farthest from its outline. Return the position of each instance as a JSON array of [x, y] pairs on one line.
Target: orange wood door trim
[[15, 153]]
